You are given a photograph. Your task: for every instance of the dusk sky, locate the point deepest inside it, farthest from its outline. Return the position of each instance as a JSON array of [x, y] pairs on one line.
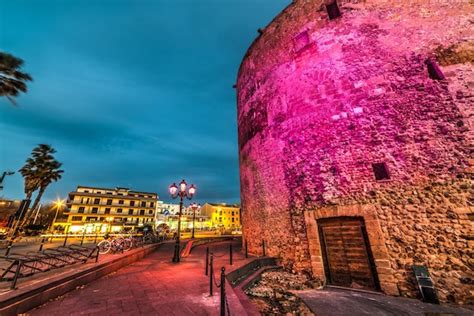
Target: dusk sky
[[135, 94]]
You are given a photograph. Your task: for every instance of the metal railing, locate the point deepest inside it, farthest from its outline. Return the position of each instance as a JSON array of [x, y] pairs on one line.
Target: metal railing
[[24, 265], [209, 270]]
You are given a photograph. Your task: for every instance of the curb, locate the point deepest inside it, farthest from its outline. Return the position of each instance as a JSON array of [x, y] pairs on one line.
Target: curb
[[31, 296], [242, 278]]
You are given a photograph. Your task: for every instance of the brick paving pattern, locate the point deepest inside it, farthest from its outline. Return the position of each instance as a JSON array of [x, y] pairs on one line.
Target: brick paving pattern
[[151, 286]]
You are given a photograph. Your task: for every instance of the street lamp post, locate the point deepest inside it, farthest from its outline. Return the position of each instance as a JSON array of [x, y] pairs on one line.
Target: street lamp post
[[194, 206], [181, 193], [57, 204]]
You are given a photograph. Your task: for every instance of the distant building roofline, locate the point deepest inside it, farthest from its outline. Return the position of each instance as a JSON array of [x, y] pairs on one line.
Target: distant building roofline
[[112, 189], [223, 204]]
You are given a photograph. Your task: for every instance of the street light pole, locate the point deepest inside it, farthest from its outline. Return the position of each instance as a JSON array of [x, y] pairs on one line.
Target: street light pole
[[174, 192], [58, 204], [194, 207]]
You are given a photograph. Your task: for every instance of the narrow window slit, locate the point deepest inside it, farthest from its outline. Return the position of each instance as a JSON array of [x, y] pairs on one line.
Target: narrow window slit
[[333, 10]]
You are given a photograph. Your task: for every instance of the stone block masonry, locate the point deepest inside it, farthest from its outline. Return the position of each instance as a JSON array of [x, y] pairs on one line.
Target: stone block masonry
[[340, 119]]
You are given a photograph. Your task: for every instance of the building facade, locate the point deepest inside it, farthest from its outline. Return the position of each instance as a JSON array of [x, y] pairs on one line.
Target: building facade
[[92, 209], [224, 216], [167, 208], [355, 138]]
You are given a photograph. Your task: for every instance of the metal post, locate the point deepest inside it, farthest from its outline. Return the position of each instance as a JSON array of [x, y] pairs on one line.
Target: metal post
[[42, 244], [9, 247], [95, 239], [207, 260], [263, 247], [17, 274], [177, 246], [97, 254], [83, 235], [65, 239], [230, 254], [194, 217], [246, 249], [222, 291], [211, 274]]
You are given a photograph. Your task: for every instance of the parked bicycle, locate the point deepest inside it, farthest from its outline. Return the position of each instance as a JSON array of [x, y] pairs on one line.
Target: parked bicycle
[[116, 244]]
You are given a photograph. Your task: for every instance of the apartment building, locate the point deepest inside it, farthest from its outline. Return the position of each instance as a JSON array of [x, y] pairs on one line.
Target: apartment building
[[92, 209], [223, 215]]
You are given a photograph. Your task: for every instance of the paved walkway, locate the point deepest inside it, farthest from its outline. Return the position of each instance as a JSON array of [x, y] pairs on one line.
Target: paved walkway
[[338, 302], [152, 286]]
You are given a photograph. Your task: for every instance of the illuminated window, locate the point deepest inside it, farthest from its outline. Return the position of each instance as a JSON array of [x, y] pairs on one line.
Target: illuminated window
[[380, 171]]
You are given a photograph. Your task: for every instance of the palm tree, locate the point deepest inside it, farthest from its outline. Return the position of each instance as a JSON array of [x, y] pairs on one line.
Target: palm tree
[[39, 172], [12, 80]]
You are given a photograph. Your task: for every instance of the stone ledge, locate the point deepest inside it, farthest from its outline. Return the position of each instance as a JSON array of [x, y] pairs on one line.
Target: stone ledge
[[35, 294]]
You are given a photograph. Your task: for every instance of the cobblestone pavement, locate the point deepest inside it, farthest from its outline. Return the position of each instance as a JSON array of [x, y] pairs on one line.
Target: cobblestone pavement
[[151, 286]]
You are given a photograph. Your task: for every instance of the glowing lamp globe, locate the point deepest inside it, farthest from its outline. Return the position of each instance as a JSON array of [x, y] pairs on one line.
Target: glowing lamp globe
[[182, 186], [192, 190], [173, 189]]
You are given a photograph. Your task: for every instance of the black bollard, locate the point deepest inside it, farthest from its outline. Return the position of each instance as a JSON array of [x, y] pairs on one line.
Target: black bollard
[[83, 235], [211, 274], [230, 254], [222, 291], [207, 260], [246, 249], [263, 247], [9, 247], [42, 244]]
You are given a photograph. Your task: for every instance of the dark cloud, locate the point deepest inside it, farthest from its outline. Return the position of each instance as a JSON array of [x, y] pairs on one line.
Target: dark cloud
[[131, 93]]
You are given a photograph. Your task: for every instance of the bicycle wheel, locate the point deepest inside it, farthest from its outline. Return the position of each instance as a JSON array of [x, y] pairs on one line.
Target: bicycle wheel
[[127, 244], [104, 247], [117, 244]]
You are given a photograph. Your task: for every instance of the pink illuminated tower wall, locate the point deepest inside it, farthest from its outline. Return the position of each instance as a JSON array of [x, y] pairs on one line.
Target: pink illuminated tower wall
[[355, 137]]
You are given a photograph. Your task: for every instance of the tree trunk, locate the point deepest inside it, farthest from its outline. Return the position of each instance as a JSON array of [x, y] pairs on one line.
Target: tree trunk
[[35, 204]]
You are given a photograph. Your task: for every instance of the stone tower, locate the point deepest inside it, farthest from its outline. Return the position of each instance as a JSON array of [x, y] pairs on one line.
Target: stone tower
[[355, 134]]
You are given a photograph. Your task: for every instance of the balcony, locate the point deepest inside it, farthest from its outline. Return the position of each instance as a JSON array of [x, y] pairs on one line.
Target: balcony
[[70, 203]]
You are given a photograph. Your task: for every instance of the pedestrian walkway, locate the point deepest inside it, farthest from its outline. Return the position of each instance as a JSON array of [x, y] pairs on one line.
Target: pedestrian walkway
[[153, 286]]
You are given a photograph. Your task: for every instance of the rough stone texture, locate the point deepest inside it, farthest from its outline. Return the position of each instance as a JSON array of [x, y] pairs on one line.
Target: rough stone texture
[[319, 101]]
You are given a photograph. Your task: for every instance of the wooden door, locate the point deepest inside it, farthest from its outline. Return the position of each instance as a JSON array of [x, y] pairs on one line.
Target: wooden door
[[347, 257]]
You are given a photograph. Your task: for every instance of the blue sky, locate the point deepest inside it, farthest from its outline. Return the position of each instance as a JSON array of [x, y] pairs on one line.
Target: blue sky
[[131, 93]]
